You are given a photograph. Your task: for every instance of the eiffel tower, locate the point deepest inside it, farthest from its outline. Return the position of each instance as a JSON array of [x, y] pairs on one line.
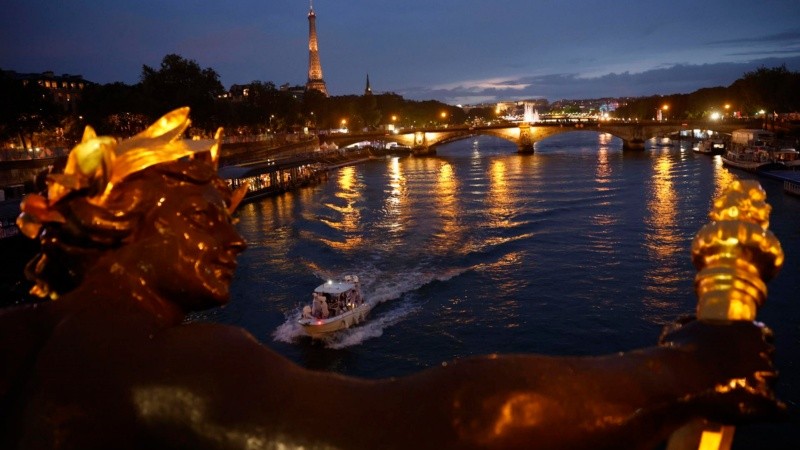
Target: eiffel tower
[[315, 80]]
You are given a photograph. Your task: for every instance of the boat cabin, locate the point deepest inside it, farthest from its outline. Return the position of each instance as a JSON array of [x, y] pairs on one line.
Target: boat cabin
[[336, 297]]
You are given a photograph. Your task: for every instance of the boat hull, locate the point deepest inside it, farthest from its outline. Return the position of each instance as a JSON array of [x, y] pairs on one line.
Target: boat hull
[[753, 166], [320, 327], [749, 166]]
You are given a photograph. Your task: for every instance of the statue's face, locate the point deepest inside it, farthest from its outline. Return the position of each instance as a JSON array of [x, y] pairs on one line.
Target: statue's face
[[192, 256]]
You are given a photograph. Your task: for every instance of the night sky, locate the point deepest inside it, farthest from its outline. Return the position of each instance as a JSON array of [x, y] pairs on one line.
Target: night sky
[[456, 51]]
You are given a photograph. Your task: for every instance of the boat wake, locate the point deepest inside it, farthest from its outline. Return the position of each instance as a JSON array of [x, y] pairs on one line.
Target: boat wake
[[378, 288]]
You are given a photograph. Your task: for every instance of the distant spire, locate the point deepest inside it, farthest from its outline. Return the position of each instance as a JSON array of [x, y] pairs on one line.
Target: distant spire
[[368, 89]]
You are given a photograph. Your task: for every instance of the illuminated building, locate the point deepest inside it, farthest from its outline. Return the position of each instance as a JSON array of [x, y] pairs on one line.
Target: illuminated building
[[66, 89]]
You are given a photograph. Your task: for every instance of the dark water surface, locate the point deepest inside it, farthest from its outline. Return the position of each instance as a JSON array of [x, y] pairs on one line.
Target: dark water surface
[[578, 249]]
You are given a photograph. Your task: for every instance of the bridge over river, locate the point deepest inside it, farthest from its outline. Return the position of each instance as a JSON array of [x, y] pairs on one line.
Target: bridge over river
[[525, 135]]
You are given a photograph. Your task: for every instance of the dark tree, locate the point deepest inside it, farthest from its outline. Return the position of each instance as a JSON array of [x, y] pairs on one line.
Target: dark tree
[[181, 82], [369, 112], [116, 108], [775, 89], [25, 108]]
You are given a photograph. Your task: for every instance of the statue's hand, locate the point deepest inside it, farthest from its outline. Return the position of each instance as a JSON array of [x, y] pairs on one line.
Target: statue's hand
[[733, 369]]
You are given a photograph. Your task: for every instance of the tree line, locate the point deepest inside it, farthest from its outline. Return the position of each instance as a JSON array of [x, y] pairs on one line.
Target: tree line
[[121, 109], [764, 90]]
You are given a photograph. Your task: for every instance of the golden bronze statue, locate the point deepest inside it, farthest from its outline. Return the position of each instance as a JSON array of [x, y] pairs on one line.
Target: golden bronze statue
[[136, 234]]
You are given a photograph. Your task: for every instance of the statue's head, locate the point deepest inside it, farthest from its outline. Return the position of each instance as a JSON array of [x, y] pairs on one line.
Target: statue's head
[[150, 207]]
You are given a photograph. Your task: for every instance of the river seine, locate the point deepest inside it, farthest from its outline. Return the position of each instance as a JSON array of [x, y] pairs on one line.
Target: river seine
[[578, 249]]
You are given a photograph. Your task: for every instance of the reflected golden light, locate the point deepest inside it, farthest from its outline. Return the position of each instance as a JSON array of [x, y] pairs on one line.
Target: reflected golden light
[[722, 178], [350, 222], [447, 201], [346, 178], [396, 179], [662, 208], [520, 410], [603, 171], [168, 404], [662, 242], [396, 200], [602, 174], [500, 199]]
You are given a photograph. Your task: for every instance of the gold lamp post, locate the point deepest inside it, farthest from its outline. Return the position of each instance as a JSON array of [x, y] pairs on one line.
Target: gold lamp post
[[735, 255]]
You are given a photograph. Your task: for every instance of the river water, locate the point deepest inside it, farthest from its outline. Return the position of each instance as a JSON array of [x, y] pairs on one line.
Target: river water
[[578, 249]]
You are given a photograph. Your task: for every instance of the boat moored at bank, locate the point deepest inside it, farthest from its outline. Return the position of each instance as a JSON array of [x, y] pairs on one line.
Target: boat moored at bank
[[712, 146], [754, 150]]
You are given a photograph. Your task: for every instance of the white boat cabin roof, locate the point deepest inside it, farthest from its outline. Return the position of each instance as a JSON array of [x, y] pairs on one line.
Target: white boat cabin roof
[[335, 287]]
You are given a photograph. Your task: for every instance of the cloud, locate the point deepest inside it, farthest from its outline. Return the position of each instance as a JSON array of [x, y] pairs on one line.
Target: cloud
[[786, 37], [665, 80]]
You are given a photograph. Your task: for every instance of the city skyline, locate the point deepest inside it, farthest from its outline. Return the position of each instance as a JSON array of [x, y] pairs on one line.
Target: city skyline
[[458, 52]]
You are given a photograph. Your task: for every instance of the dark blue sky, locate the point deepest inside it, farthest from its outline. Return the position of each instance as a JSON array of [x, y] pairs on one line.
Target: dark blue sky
[[456, 51]]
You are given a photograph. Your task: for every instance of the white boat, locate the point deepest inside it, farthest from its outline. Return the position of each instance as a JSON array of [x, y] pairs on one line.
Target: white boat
[[753, 150], [335, 305], [753, 159], [746, 160], [711, 146]]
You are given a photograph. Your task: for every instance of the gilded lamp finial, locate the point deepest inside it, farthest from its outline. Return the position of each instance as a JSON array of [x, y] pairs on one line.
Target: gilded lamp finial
[[735, 254]]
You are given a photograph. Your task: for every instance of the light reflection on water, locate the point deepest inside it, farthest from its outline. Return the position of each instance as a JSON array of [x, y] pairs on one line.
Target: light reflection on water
[[345, 216], [563, 231], [580, 248], [663, 242]]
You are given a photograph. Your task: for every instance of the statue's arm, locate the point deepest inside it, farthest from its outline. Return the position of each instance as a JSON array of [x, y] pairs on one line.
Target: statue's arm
[[23, 331], [215, 386], [499, 402]]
